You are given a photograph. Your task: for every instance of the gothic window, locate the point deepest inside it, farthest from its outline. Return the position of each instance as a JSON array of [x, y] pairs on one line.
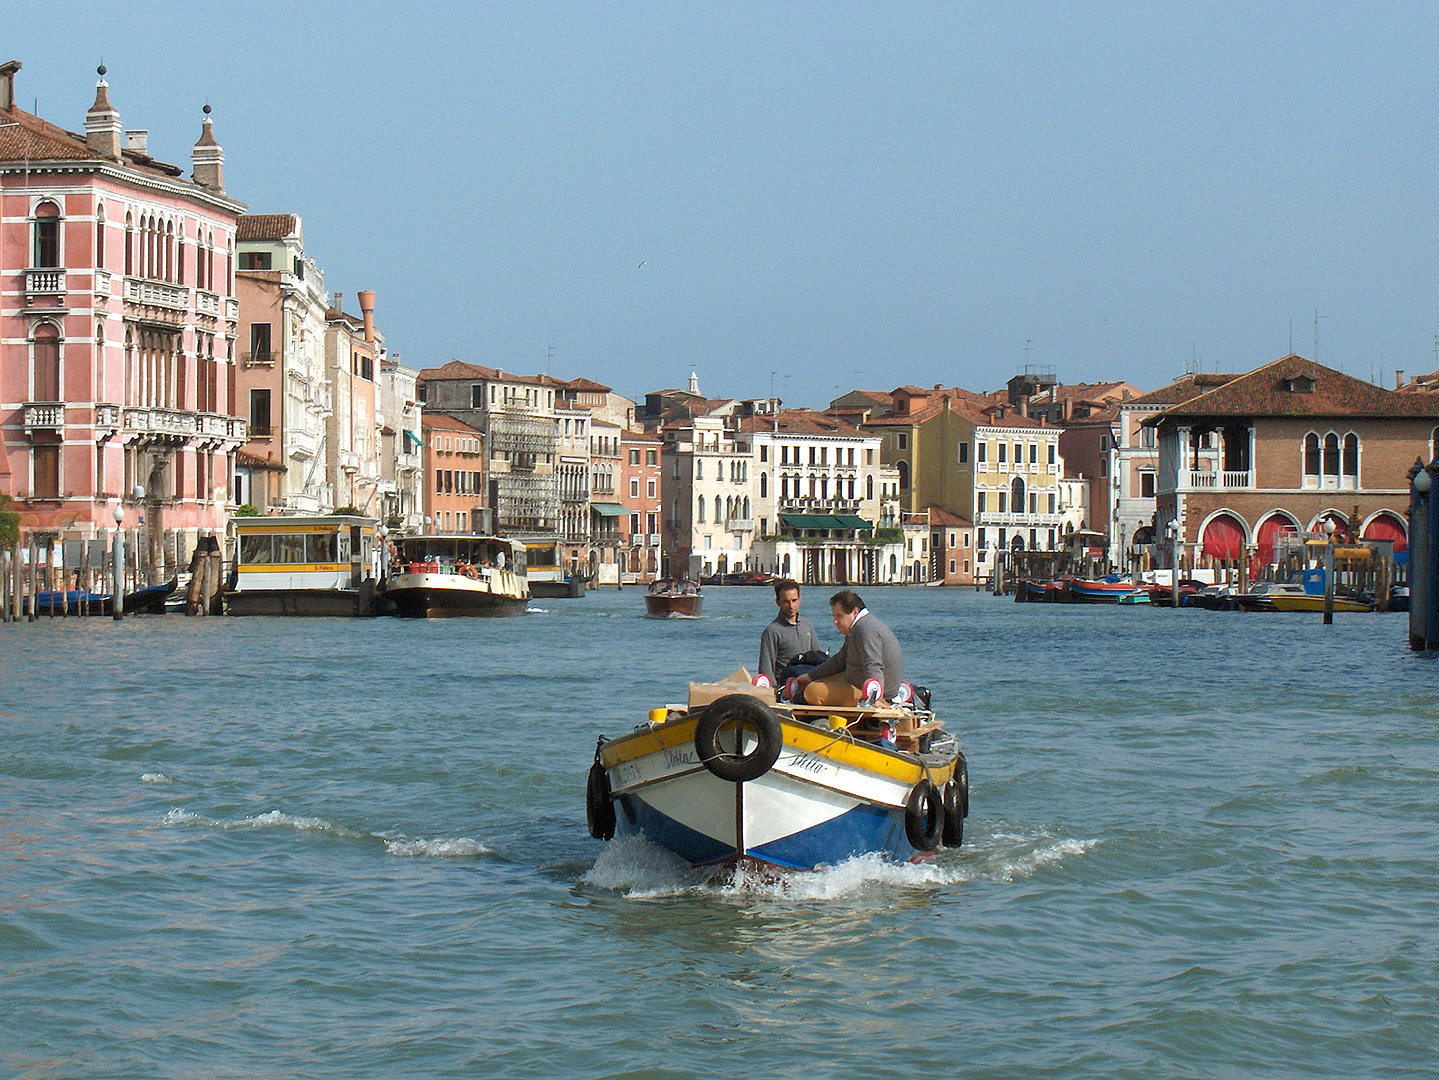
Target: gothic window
[[1349, 465], [1331, 454], [129, 245], [1311, 460], [47, 363], [763, 485], [47, 235], [100, 235], [701, 518], [869, 487], [903, 476]]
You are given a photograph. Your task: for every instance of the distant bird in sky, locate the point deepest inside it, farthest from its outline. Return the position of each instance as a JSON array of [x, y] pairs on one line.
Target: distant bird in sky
[[642, 262]]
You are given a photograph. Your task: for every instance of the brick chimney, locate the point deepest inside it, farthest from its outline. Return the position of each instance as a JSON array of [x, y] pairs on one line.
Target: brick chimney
[[102, 123], [1398, 378], [7, 84], [367, 309], [207, 160]]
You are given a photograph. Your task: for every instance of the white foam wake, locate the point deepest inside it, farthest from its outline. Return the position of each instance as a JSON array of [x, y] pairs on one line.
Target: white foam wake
[[155, 778], [461, 848]]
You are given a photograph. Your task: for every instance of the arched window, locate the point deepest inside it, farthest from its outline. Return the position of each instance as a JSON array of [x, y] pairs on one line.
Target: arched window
[[869, 486], [1016, 495], [100, 235], [47, 235], [1311, 460], [745, 513], [699, 468], [129, 245], [1331, 456], [763, 485], [903, 476], [169, 251], [47, 363], [1349, 461], [230, 269], [718, 510], [701, 517]]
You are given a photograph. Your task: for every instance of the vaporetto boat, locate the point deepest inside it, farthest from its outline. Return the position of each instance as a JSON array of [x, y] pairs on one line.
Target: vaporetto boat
[[739, 781], [448, 575]]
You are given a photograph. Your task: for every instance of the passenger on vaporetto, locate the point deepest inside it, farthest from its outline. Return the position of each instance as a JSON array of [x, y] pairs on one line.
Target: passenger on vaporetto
[[787, 643], [869, 659]]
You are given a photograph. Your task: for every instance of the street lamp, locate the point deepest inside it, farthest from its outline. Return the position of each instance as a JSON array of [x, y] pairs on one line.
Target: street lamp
[[117, 563], [381, 531], [1329, 527]]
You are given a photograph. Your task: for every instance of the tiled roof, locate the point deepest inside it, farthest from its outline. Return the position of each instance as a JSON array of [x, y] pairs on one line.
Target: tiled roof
[[945, 518], [801, 422], [448, 423], [267, 226], [588, 385], [1265, 392], [26, 137], [458, 369], [1182, 389]]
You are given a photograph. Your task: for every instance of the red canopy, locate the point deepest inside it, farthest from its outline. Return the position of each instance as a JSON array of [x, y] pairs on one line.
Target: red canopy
[[1272, 527], [1224, 537], [1388, 527]]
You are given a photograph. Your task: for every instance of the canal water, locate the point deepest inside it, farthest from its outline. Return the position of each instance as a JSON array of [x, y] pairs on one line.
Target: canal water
[[1202, 844]]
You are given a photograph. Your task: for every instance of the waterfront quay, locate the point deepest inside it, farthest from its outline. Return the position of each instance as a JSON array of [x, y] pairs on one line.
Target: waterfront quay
[[1199, 845]]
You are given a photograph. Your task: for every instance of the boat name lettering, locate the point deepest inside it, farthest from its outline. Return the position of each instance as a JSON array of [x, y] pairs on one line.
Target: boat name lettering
[[675, 757], [628, 773], [808, 763]]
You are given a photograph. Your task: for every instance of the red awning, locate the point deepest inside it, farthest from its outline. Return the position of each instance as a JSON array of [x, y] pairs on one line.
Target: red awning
[[1388, 527], [1224, 537], [1272, 527]]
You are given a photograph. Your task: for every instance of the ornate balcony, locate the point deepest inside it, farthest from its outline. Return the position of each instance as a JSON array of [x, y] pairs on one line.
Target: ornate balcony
[[349, 461], [107, 416], [302, 443], [207, 303], [157, 421], [44, 416], [232, 308], [1203, 479], [157, 294], [47, 282], [407, 462]]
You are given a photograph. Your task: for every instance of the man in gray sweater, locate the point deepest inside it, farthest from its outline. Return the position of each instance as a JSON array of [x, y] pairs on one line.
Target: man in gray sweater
[[869, 658], [788, 637]]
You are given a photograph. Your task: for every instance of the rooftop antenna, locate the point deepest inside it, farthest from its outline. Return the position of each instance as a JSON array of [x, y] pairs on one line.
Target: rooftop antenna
[[1026, 353], [1291, 337], [1317, 317]]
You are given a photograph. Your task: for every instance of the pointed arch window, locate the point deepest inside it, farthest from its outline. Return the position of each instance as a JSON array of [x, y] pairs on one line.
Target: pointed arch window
[[47, 363], [1349, 461], [129, 245], [47, 235], [1311, 460], [100, 235]]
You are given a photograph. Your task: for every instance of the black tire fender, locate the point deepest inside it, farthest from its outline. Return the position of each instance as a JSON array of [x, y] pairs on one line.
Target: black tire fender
[[953, 815], [924, 816], [599, 809], [738, 711]]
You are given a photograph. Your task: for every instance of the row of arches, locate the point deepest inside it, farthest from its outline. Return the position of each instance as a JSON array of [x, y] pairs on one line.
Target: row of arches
[[1224, 534], [730, 509]]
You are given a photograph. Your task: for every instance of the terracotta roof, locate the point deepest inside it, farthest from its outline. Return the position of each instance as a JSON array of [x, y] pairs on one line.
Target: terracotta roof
[[978, 409], [1265, 392], [448, 423], [27, 137], [945, 518], [801, 422], [1183, 389], [1109, 414], [250, 461], [628, 436], [587, 384], [458, 369], [266, 226]]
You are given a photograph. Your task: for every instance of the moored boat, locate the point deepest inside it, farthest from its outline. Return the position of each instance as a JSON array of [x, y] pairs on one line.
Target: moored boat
[[738, 781], [1306, 602], [668, 598], [304, 565], [439, 576]]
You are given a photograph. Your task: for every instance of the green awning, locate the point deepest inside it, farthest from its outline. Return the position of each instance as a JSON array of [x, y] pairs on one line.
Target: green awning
[[851, 521], [845, 522], [411, 439], [608, 509]]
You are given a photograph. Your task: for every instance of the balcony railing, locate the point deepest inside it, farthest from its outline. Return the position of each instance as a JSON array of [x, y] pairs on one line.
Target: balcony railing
[[1203, 479], [407, 462], [239, 430], [652, 539], [740, 524], [102, 283], [232, 308], [207, 303], [1022, 520], [44, 417], [157, 294], [258, 358], [48, 282], [107, 416], [303, 443], [157, 421], [214, 425], [349, 460]]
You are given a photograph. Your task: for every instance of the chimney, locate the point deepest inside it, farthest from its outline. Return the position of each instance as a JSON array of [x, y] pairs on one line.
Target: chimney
[[1398, 378], [1024, 406], [207, 160], [7, 84], [339, 303], [138, 142], [367, 309], [102, 122]]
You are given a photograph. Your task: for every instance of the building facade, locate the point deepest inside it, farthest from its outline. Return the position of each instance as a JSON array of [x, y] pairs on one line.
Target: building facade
[[1276, 453], [640, 491], [117, 331], [454, 459]]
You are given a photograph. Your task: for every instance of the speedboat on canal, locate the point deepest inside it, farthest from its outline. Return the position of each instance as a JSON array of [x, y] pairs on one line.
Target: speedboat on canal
[[435, 576], [669, 599], [741, 780]]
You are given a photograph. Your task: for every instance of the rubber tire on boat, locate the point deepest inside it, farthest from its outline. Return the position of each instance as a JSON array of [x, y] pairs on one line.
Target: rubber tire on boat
[[741, 710], [956, 804], [599, 810], [924, 817]]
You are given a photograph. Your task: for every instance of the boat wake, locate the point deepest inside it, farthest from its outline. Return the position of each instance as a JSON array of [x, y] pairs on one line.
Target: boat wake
[[640, 870], [400, 846]]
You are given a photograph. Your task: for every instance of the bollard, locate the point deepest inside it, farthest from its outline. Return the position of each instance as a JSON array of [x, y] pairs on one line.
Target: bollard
[[1419, 484]]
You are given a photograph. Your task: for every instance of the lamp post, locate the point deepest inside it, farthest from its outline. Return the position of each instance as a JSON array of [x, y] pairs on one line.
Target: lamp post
[[383, 532], [117, 564], [1419, 586], [1173, 530], [1328, 571]]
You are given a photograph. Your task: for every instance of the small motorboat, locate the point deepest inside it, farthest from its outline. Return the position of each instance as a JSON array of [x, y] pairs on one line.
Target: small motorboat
[[670, 598], [742, 781], [1307, 602], [1105, 590], [151, 600]]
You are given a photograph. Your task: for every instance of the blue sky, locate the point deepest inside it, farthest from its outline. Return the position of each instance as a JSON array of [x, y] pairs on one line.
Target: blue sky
[[816, 197]]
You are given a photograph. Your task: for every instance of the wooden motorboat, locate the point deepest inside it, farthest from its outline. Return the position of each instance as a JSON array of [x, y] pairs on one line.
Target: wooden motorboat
[[1307, 602], [670, 599], [742, 781]]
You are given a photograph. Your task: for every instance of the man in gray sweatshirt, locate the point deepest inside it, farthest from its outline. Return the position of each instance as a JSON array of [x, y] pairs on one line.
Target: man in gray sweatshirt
[[870, 652], [788, 637]]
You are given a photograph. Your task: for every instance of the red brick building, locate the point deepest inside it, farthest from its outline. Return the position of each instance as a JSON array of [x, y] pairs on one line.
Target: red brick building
[[638, 491], [454, 473]]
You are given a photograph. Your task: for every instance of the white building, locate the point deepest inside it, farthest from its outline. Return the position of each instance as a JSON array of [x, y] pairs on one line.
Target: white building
[[707, 494]]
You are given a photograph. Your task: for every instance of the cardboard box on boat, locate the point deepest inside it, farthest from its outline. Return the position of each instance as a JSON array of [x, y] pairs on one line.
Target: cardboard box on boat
[[737, 682]]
